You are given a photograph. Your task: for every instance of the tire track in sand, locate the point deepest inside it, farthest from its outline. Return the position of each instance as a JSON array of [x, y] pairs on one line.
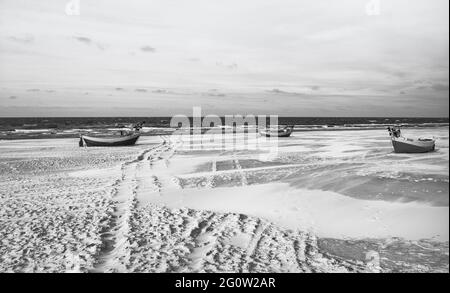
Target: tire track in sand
[[241, 172], [253, 245], [113, 254]]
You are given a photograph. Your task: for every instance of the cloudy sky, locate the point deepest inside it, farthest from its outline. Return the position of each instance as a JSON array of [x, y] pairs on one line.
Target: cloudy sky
[[161, 57]]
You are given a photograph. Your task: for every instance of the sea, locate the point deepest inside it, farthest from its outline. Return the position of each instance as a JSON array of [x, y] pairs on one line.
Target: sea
[[66, 127]]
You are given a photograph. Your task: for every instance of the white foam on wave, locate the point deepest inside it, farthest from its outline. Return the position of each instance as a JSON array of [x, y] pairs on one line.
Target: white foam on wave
[[33, 130]]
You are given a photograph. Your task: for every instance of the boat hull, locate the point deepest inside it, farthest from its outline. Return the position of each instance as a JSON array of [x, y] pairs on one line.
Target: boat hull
[[128, 140], [403, 145], [272, 133]]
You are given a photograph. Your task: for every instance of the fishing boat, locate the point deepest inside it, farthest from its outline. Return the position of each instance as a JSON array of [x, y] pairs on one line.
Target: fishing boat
[[409, 145], [124, 140], [403, 144], [278, 132]]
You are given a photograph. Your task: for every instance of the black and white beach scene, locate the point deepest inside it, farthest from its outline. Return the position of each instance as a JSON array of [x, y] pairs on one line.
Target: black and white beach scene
[[193, 136]]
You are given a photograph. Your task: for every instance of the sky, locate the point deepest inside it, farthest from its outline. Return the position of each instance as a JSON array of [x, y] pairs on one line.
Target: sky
[[284, 57]]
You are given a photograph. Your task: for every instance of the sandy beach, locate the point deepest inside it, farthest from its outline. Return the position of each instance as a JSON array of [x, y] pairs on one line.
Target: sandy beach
[[323, 201]]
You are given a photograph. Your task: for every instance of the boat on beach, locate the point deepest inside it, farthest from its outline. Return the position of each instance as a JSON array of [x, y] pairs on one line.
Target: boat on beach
[[403, 144], [124, 140], [278, 132], [409, 145]]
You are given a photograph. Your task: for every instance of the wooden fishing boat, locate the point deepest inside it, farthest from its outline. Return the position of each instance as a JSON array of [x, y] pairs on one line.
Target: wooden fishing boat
[[409, 145], [108, 141], [278, 132], [403, 144]]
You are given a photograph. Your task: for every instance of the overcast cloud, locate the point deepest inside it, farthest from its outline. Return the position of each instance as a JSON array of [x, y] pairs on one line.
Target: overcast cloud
[[289, 57]]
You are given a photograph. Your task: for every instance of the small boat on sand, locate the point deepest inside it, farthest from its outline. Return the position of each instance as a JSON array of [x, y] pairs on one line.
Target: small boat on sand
[[125, 140], [278, 132], [409, 145]]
